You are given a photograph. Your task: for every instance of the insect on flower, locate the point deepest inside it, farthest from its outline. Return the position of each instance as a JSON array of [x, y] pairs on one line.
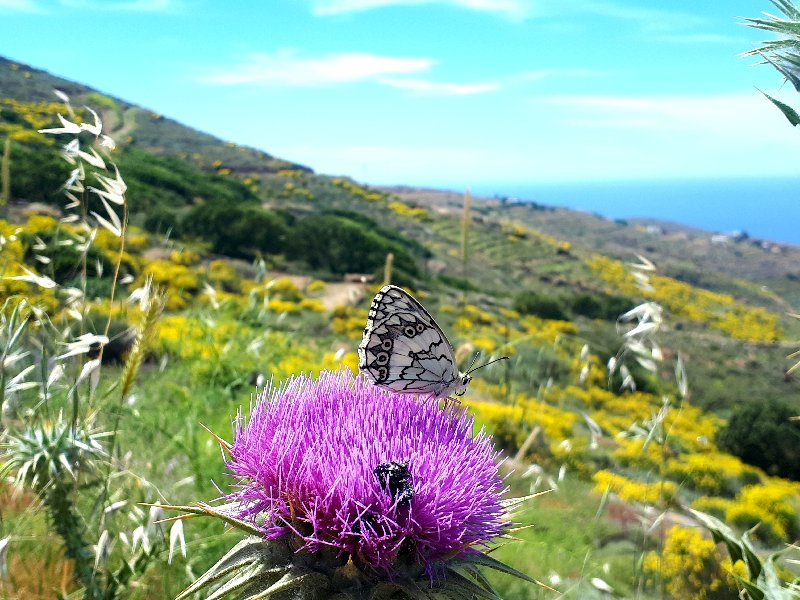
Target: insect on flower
[[404, 350], [396, 479]]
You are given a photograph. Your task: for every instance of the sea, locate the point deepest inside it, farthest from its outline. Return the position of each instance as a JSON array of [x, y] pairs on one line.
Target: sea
[[764, 208]]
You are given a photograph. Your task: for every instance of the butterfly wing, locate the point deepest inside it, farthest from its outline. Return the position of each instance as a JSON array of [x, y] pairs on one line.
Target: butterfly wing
[[403, 348]]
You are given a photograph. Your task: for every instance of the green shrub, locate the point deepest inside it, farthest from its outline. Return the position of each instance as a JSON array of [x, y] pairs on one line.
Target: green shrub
[[761, 434], [161, 219], [171, 182], [37, 173], [409, 243], [460, 283], [341, 245], [599, 306], [65, 261], [541, 305], [237, 230]]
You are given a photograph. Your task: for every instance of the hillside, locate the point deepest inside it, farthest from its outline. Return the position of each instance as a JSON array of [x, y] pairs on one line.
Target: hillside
[[689, 254], [251, 252]]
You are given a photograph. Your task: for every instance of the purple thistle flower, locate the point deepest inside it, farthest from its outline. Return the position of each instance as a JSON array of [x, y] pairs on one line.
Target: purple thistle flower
[[380, 476]]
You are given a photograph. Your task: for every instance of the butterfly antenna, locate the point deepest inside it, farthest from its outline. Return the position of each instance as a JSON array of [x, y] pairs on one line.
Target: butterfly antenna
[[487, 364], [474, 358]]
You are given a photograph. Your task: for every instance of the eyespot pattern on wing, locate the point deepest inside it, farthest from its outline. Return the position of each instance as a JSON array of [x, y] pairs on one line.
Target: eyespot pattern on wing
[[403, 348]]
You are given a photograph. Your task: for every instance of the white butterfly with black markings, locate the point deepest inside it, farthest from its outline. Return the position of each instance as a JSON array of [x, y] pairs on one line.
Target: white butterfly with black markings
[[404, 350]]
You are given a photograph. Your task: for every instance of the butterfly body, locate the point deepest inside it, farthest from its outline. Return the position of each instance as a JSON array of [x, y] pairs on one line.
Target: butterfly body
[[404, 350]]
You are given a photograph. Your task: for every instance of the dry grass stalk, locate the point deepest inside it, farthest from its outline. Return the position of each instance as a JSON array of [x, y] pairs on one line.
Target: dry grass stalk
[[5, 173]]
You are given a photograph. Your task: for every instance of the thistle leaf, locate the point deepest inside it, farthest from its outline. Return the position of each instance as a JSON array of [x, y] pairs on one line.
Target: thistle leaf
[[771, 584], [487, 561], [296, 578], [739, 549], [203, 510], [243, 578], [454, 578], [788, 111], [386, 591], [243, 557]]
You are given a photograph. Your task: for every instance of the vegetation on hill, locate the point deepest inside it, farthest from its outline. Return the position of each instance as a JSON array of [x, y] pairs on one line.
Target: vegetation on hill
[[247, 266]]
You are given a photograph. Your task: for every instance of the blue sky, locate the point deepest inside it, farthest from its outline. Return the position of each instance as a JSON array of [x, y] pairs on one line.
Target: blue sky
[[449, 93]]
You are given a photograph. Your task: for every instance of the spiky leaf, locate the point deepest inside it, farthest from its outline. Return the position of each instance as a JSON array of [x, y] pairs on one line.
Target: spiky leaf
[[788, 111], [484, 560], [252, 556]]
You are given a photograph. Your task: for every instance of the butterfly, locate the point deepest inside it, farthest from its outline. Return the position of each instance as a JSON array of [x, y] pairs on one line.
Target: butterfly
[[404, 350]]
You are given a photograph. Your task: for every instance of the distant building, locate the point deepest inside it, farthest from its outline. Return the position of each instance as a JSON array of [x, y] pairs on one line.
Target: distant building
[[719, 239], [359, 277]]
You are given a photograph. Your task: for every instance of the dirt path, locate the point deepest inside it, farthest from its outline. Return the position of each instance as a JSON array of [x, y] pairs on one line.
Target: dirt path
[[344, 293], [339, 293]]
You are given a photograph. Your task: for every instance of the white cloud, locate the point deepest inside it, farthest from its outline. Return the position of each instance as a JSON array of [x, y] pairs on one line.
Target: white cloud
[[650, 19], [424, 86], [723, 114], [20, 5], [702, 38], [390, 164], [541, 74], [284, 68], [511, 8], [121, 5], [665, 136], [586, 138]]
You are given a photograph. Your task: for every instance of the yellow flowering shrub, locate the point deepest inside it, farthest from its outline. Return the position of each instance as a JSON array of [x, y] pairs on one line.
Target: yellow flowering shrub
[[509, 313], [507, 421], [348, 360], [576, 454], [712, 472], [184, 257], [43, 299], [300, 360], [713, 505], [463, 325], [515, 230], [312, 304], [485, 344], [479, 315], [10, 243], [33, 116], [283, 306], [348, 321], [358, 191], [772, 505], [719, 311], [654, 492], [631, 452], [315, 287], [41, 223], [287, 306], [619, 414], [136, 241], [692, 567], [688, 427], [596, 375], [691, 429], [285, 289], [221, 273], [547, 330], [180, 282]]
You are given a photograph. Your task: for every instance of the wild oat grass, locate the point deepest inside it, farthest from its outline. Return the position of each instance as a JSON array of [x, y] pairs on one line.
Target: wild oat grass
[[58, 433]]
